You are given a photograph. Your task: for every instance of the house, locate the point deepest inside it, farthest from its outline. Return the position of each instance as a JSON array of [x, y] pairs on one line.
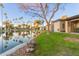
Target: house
[[66, 24]]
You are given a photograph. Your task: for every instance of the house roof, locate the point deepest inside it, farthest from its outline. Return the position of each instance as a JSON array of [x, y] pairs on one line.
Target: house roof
[[68, 19]]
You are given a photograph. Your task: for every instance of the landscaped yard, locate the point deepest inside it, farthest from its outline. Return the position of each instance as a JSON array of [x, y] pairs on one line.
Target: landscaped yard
[[54, 44]]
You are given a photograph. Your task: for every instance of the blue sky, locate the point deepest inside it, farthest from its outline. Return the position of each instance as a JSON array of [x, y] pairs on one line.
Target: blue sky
[[14, 12]]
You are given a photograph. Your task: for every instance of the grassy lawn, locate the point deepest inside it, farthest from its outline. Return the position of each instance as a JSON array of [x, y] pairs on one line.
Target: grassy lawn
[[55, 45]]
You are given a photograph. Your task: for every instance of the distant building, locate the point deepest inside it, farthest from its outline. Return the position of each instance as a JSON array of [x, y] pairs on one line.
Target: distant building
[[22, 27], [66, 24]]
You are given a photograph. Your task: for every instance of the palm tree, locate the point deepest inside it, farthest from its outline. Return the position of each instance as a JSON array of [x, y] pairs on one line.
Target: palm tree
[[1, 6], [5, 15], [20, 18]]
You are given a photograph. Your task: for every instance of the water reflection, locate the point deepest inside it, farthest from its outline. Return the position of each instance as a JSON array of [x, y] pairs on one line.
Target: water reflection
[[11, 39], [23, 34], [7, 35]]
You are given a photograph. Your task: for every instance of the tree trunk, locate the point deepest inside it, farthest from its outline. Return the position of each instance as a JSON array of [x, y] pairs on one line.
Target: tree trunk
[[48, 27]]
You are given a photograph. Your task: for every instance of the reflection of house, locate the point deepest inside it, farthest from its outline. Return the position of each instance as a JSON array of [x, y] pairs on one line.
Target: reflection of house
[[67, 24]]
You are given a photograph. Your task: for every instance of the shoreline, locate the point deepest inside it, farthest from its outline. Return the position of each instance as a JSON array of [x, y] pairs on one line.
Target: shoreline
[[10, 51]]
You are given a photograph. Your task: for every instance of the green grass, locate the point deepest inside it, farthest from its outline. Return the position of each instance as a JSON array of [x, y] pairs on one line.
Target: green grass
[[54, 45]]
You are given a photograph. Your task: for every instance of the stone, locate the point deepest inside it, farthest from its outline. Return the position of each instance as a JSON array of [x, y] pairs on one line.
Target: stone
[[31, 49], [28, 50], [72, 39]]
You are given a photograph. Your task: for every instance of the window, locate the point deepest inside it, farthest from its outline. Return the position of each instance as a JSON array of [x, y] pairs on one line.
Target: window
[[63, 25]]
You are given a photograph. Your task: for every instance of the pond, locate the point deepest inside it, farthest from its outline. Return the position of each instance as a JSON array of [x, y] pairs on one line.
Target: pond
[[9, 40]]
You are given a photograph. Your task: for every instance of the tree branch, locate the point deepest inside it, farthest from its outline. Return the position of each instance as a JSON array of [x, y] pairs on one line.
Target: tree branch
[[55, 9], [43, 12], [34, 13]]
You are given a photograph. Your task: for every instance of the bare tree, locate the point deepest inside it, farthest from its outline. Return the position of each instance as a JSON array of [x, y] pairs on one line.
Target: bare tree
[[41, 10]]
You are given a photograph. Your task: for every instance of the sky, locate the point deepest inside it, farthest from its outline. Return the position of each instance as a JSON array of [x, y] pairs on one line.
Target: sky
[[13, 12]]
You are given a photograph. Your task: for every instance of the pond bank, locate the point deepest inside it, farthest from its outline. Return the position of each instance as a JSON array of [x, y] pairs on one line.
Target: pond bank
[[25, 50], [11, 51]]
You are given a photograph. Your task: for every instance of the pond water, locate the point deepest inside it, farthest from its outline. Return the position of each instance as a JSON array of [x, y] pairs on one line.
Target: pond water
[[9, 40]]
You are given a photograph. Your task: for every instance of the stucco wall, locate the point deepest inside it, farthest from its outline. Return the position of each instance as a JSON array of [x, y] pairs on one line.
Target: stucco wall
[[57, 26]]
